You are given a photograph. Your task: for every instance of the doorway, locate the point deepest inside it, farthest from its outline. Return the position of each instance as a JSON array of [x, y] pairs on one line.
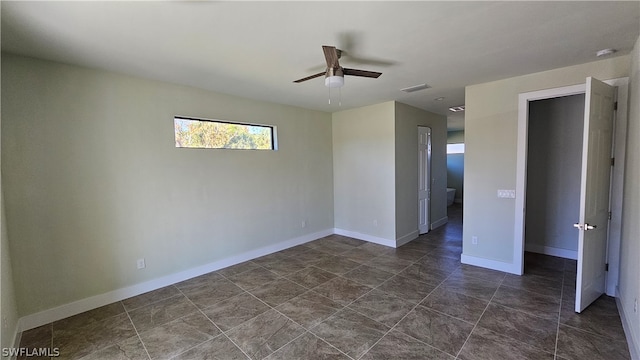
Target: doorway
[[554, 158], [608, 251], [424, 179]]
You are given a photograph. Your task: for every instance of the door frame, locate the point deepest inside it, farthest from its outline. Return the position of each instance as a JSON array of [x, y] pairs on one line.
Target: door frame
[[619, 140]]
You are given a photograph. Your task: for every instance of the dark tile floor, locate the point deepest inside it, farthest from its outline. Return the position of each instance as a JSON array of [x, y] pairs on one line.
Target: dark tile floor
[[341, 298]]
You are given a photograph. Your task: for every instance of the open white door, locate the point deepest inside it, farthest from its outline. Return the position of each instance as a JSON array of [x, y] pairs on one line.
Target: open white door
[[424, 178], [594, 193]]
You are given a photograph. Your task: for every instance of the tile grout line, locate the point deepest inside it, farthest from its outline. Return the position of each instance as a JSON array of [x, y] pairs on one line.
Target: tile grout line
[[214, 324], [136, 330], [153, 301], [481, 315], [407, 314], [114, 343], [555, 350], [273, 308], [330, 316], [344, 306], [52, 336], [356, 299], [312, 334], [290, 319], [284, 315]]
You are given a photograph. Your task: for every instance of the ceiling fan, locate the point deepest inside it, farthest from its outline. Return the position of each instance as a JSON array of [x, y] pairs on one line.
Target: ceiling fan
[[334, 74]]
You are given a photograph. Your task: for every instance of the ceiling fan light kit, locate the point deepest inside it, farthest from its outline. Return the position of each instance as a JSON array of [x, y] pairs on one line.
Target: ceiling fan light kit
[[334, 81], [334, 78], [334, 74]]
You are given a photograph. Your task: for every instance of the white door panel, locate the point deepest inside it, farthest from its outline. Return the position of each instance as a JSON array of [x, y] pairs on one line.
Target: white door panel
[[594, 193], [424, 176]]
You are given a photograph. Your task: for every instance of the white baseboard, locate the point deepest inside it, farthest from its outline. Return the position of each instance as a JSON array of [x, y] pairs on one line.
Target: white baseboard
[[553, 251], [17, 336], [490, 264], [440, 222], [365, 237], [634, 346], [407, 238], [93, 302]]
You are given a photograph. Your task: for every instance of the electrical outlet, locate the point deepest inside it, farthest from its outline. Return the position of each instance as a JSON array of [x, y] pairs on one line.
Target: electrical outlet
[[507, 194], [474, 240], [375, 223], [635, 305], [304, 224], [5, 322], [141, 264]]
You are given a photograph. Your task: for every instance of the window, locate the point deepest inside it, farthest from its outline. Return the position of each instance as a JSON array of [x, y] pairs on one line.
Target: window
[[216, 134], [455, 148]]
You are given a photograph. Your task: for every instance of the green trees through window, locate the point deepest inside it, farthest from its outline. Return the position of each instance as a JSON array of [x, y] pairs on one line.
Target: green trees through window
[[214, 134]]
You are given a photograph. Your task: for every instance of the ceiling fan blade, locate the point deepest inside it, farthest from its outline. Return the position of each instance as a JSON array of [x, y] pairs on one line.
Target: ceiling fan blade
[[349, 43], [364, 73], [311, 77], [351, 59], [331, 55]]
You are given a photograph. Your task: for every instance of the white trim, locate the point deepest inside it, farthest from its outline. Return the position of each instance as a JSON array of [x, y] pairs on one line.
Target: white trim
[[436, 224], [617, 183], [407, 238], [521, 163], [365, 237], [489, 264], [521, 170], [93, 302], [553, 251], [17, 336], [634, 347]]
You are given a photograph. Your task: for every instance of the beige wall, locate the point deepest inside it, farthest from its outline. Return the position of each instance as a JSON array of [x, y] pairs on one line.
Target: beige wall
[[491, 122], [407, 120], [9, 313], [92, 180], [364, 170], [629, 284], [8, 306]]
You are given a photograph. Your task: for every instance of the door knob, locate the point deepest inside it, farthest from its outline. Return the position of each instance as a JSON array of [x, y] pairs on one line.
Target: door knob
[[584, 227]]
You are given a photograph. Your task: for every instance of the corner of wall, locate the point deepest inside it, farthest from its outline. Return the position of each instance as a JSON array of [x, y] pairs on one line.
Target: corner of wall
[[628, 291], [9, 328], [9, 323]]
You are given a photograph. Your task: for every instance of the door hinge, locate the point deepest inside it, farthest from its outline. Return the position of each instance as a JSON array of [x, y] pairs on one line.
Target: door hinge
[[606, 267], [613, 161], [615, 106], [609, 215]]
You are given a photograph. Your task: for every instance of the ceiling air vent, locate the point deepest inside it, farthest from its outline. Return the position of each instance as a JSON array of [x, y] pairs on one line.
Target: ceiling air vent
[[415, 88], [457, 108]]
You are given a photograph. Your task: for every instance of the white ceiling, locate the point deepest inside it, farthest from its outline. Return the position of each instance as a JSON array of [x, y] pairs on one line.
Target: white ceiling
[[256, 49]]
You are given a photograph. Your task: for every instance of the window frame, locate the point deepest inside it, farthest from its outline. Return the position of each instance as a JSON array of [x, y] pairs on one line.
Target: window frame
[[456, 151], [274, 133]]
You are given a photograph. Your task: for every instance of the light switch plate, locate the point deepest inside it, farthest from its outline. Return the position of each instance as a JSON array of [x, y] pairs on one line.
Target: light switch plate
[[507, 194]]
